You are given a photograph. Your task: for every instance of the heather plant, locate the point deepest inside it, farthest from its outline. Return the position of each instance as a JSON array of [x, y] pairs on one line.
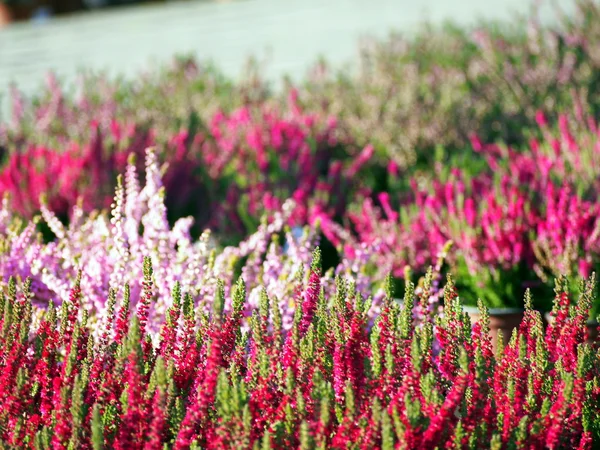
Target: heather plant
[[490, 249], [261, 157], [226, 174], [106, 250], [409, 96], [567, 153], [517, 217], [489, 238], [77, 173], [330, 381], [182, 94], [559, 175], [414, 93]]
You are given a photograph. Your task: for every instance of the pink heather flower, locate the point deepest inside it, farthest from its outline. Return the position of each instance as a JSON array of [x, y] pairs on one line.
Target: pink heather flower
[[311, 296], [540, 118], [586, 442], [360, 161], [393, 169]]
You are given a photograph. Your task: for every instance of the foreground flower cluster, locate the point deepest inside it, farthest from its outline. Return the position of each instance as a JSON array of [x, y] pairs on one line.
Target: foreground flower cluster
[[105, 251], [331, 381]]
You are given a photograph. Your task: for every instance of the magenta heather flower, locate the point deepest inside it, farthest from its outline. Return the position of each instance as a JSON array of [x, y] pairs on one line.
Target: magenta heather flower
[[311, 295], [337, 382]]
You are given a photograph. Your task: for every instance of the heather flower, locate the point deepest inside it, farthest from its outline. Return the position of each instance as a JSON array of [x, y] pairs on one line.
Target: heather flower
[[338, 381]]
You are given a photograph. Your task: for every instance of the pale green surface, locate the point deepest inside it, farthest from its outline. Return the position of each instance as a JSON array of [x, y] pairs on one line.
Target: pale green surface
[[290, 34]]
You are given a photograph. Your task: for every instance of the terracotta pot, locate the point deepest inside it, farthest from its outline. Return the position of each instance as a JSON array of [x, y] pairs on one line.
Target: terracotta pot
[[6, 15], [505, 319], [592, 330]]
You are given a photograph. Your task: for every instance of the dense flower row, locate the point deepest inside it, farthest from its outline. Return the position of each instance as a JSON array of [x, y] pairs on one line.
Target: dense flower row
[[512, 226], [409, 95], [69, 174], [515, 217], [332, 380], [242, 165], [106, 251], [518, 215]]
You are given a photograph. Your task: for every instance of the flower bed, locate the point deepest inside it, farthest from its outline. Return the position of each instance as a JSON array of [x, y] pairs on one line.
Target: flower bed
[[516, 218], [330, 381], [186, 262]]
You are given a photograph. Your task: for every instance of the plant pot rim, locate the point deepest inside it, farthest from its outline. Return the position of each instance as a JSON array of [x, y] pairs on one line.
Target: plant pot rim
[[494, 311]]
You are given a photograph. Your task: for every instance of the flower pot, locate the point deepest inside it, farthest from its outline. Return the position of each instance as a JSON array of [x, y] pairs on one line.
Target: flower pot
[[505, 319], [592, 330], [21, 11], [6, 15]]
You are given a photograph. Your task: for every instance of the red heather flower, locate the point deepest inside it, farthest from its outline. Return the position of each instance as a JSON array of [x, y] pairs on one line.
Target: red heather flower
[[133, 428], [477, 378], [62, 428], [586, 442], [203, 397], [267, 406], [45, 369], [73, 309], [122, 323], [446, 416], [540, 118], [360, 161], [554, 419], [331, 392], [311, 294], [9, 397], [147, 294], [449, 335], [560, 315], [232, 322], [186, 356], [393, 169], [355, 354], [168, 334], [347, 434], [384, 199]]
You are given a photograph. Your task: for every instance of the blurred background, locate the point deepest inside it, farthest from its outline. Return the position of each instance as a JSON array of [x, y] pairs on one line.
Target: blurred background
[[377, 118], [127, 36]]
